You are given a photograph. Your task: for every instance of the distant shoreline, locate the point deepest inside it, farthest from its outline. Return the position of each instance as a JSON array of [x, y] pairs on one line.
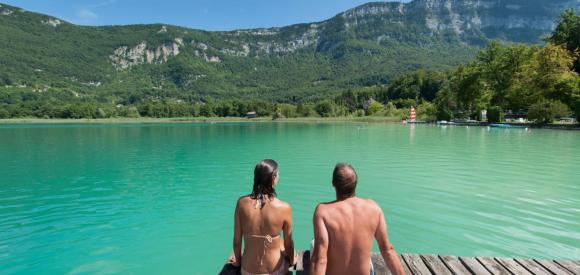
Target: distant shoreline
[[15, 121], [367, 119]]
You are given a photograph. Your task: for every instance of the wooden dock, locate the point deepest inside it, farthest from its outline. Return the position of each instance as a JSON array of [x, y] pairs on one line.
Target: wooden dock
[[449, 265]]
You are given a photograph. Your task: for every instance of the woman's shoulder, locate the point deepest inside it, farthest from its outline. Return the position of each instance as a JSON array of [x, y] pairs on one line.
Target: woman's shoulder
[[280, 203], [244, 199]]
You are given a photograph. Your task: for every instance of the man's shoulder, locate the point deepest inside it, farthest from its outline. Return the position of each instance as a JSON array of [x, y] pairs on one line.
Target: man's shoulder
[[322, 208], [370, 204]]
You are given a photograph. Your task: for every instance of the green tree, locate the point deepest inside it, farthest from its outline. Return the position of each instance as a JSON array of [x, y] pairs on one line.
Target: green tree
[[549, 75], [495, 114], [499, 65], [4, 113], [178, 71], [304, 110], [288, 110], [467, 83], [374, 108], [325, 108], [427, 111], [100, 113], [444, 114], [277, 114], [206, 110], [567, 33], [578, 112], [544, 111], [419, 85]]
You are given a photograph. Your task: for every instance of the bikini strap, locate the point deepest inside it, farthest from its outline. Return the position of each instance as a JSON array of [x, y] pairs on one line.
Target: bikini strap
[[267, 242]]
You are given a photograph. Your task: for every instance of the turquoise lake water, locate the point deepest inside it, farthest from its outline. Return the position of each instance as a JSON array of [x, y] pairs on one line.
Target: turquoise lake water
[[159, 199]]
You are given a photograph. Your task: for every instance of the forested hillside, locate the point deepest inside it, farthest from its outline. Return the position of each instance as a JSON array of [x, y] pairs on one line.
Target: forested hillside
[[52, 68]]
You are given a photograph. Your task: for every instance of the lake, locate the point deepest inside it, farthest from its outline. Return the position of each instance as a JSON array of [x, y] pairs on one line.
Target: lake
[[159, 198]]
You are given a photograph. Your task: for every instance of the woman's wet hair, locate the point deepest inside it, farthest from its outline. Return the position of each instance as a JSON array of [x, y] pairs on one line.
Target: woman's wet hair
[[264, 174]]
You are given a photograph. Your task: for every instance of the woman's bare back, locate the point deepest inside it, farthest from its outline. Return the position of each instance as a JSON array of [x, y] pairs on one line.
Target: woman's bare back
[[261, 229]]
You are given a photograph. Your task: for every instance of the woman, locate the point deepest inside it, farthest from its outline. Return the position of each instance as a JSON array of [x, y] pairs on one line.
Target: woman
[[259, 218]]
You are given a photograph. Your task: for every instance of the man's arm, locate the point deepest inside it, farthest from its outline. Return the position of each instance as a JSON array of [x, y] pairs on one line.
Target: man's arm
[[288, 242], [237, 237], [319, 254], [387, 250]]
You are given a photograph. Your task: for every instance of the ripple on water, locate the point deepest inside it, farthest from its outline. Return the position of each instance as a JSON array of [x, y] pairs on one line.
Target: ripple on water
[[135, 199]]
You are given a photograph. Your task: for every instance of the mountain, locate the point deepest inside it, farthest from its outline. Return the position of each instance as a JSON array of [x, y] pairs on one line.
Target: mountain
[[367, 45]]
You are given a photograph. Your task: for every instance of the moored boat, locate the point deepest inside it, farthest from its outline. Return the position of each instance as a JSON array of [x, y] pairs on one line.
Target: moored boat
[[501, 125]]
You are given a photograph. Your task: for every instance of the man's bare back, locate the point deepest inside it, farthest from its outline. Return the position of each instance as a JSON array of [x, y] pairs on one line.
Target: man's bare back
[[343, 236]]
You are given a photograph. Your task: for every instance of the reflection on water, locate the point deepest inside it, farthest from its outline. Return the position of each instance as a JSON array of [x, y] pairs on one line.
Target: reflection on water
[[159, 198]]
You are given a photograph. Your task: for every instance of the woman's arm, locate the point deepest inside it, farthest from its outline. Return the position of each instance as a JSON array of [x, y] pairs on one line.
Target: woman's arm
[[237, 236], [288, 242]]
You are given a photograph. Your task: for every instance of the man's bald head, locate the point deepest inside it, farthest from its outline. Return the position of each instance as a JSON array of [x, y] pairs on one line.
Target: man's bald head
[[344, 179]]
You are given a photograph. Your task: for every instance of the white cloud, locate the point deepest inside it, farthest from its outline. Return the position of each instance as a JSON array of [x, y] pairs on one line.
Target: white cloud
[[103, 3], [86, 16]]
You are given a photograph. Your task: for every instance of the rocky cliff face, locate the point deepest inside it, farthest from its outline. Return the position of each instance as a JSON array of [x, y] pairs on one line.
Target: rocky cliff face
[[125, 57], [492, 19], [465, 21]]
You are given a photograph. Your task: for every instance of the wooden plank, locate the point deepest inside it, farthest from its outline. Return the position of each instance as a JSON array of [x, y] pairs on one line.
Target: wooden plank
[[474, 266], [436, 265], [416, 264], [379, 264], [570, 266], [533, 267], [493, 266], [229, 269], [512, 266], [454, 265], [553, 267], [405, 266]]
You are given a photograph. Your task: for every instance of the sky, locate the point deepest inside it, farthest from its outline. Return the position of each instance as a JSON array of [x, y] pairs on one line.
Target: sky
[[213, 15]]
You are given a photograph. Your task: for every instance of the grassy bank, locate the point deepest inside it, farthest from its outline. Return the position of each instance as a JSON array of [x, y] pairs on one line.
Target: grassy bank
[[371, 119]]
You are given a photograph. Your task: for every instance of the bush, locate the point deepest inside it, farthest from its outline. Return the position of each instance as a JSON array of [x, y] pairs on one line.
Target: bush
[[495, 114], [403, 114], [444, 114], [427, 111], [206, 110], [288, 110], [100, 113], [545, 111], [325, 108], [4, 113], [130, 112], [374, 108], [303, 110], [405, 103], [578, 111]]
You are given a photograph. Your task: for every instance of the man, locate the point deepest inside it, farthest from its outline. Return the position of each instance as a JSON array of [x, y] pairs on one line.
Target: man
[[344, 230]]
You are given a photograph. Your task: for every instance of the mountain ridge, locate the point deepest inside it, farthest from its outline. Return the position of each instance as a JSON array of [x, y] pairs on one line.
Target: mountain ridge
[[366, 45]]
